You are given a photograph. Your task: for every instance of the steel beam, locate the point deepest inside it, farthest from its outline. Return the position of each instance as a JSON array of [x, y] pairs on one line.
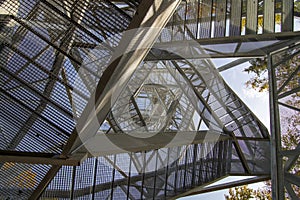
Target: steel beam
[[44, 39], [233, 64], [206, 188], [281, 176], [251, 16], [236, 39], [293, 152], [37, 93], [240, 153], [276, 159], [287, 16], [110, 74], [292, 178], [34, 112], [235, 142], [154, 13], [209, 54], [269, 16], [39, 158], [290, 190], [117, 74], [287, 37], [292, 158], [32, 119], [39, 66], [110, 142], [45, 181], [119, 182], [237, 146], [216, 122], [75, 23]]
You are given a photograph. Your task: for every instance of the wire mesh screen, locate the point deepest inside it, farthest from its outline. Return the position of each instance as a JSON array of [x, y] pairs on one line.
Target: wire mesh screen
[[128, 175], [46, 43], [18, 181]]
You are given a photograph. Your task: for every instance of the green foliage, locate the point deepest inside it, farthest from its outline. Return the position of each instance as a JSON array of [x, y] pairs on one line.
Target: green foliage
[[297, 7], [245, 193], [260, 80]]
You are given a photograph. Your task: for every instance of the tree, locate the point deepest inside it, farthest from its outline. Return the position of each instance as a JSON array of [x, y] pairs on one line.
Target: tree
[[259, 81], [287, 79], [245, 193]]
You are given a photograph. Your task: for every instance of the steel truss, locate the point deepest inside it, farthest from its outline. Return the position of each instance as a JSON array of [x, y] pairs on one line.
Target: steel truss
[[51, 43], [284, 174]]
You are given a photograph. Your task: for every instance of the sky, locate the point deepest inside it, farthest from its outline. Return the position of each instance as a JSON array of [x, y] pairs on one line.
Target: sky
[[220, 194], [258, 102]]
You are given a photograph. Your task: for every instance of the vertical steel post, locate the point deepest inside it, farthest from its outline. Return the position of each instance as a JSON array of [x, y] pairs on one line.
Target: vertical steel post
[[276, 161], [73, 183], [95, 178]]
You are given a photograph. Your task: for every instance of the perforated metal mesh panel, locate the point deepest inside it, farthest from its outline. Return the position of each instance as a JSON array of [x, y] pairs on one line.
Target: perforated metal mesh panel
[[142, 175]]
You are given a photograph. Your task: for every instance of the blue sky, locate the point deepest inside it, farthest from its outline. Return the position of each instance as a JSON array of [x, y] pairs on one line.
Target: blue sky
[[258, 102]]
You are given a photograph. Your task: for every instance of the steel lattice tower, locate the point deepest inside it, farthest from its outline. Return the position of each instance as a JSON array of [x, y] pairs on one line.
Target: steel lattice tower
[[105, 99]]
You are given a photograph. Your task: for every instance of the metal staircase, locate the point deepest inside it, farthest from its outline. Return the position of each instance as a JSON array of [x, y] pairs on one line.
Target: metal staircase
[[171, 124]]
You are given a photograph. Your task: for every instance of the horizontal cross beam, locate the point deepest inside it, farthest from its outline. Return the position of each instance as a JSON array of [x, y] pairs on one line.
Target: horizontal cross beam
[[40, 158], [114, 143]]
